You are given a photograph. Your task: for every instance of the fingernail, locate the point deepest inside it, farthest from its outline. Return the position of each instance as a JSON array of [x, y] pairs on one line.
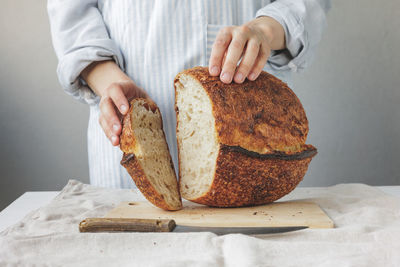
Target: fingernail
[[115, 127], [226, 77], [252, 76], [113, 139], [123, 108], [239, 77], [214, 70]]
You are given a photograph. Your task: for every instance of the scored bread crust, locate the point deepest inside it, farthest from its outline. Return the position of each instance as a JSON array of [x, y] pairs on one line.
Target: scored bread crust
[[246, 179], [132, 165], [261, 128], [261, 116]]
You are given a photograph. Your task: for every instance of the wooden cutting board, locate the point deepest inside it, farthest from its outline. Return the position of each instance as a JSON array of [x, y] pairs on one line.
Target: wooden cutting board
[[289, 213]]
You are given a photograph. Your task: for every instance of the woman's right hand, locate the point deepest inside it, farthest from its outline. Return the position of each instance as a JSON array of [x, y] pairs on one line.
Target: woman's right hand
[[115, 88], [114, 103]]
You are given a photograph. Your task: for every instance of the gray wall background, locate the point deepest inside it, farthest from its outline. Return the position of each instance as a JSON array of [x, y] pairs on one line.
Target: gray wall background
[[350, 92]]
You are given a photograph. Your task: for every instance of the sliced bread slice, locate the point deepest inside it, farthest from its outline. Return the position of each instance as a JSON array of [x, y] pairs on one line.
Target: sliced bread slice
[[146, 155]]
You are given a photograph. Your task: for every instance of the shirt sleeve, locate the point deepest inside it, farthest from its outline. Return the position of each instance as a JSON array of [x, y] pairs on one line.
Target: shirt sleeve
[[80, 37], [303, 22]]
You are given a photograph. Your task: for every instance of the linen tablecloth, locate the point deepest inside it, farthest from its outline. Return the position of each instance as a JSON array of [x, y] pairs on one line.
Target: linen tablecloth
[[367, 233]]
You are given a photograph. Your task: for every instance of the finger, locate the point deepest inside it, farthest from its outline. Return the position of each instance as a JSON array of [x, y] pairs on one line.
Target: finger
[[233, 55], [223, 60], [248, 60], [114, 139], [132, 91], [141, 93], [220, 45], [260, 62], [109, 115], [117, 94]]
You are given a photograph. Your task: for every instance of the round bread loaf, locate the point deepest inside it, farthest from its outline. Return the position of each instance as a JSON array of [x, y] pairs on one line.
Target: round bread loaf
[[238, 144]]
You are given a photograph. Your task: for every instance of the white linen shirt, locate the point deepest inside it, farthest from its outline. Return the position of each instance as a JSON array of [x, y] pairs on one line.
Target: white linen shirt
[[153, 40]]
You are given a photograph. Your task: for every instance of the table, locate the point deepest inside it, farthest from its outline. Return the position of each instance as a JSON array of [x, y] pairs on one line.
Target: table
[[30, 201]]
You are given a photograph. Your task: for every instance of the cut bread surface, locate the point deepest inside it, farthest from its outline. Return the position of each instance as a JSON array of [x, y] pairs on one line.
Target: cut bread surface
[[146, 141], [196, 137]]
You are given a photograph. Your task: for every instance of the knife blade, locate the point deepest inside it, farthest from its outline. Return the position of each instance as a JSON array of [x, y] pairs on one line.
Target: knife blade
[[169, 225], [238, 230]]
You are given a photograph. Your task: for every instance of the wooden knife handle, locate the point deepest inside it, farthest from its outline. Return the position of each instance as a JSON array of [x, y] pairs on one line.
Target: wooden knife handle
[[126, 225]]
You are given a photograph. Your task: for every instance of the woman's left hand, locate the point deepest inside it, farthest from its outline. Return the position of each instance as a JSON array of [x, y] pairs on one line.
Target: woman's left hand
[[252, 42]]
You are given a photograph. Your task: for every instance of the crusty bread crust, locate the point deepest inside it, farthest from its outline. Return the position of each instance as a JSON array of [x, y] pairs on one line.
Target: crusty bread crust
[[132, 165], [134, 169], [243, 179], [127, 138], [261, 116]]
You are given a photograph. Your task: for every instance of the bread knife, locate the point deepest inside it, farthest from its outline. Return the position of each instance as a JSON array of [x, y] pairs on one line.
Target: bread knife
[[168, 225]]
